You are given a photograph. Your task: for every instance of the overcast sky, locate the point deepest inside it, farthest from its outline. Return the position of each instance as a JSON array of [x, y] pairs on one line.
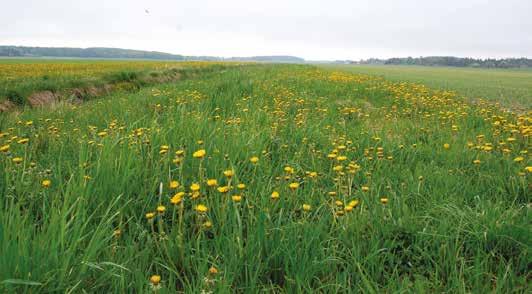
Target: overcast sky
[[327, 29]]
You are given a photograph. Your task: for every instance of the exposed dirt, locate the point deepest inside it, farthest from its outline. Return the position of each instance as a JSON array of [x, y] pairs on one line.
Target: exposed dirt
[[78, 95], [6, 105], [41, 98]]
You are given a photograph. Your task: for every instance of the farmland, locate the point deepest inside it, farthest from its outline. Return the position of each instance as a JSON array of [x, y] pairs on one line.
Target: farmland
[[510, 87], [282, 178]]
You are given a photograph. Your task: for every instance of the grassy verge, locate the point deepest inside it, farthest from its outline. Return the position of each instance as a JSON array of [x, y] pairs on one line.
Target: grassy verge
[[62, 78]]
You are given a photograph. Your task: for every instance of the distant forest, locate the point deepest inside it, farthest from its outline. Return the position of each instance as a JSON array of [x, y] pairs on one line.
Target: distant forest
[[19, 51], [453, 61], [22, 51]]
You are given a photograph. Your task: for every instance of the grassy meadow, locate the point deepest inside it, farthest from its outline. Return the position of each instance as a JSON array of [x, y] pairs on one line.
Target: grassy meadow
[[276, 178], [510, 87]]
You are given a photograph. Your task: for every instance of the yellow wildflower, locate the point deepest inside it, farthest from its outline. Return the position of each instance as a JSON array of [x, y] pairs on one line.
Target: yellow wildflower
[[223, 189], [46, 183], [194, 187], [519, 159], [161, 209], [174, 184], [201, 208], [177, 198], [293, 185], [229, 173], [199, 154], [155, 280]]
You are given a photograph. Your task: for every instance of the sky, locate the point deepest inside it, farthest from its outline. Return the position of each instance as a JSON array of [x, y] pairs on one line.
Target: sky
[[312, 29]]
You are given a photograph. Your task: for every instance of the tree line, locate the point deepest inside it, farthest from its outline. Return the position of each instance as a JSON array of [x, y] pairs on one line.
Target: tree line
[[453, 61], [20, 51]]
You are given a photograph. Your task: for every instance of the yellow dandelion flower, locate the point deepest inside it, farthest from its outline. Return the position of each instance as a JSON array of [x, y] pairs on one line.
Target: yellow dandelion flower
[[293, 185], [229, 173], [194, 187], [365, 188], [4, 148], [46, 183], [236, 198], [384, 200], [223, 189], [519, 159], [199, 154], [177, 198], [23, 141], [161, 209], [307, 207], [155, 280], [212, 182], [446, 146], [213, 270], [207, 225], [254, 159], [354, 203], [17, 160], [195, 195], [201, 208], [341, 158], [174, 184], [150, 215], [275, 195]]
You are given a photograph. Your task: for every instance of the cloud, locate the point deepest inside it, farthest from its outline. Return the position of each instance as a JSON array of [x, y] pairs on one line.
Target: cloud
[[332, 29]]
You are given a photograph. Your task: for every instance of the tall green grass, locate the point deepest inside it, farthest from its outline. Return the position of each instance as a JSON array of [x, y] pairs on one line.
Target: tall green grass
[[449, 225]]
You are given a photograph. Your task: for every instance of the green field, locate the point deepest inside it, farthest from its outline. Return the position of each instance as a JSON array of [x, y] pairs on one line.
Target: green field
[[511, 87], [266, 178]]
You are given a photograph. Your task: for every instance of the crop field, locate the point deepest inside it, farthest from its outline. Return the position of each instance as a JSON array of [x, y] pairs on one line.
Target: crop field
[[259, 177], [510, 87]]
